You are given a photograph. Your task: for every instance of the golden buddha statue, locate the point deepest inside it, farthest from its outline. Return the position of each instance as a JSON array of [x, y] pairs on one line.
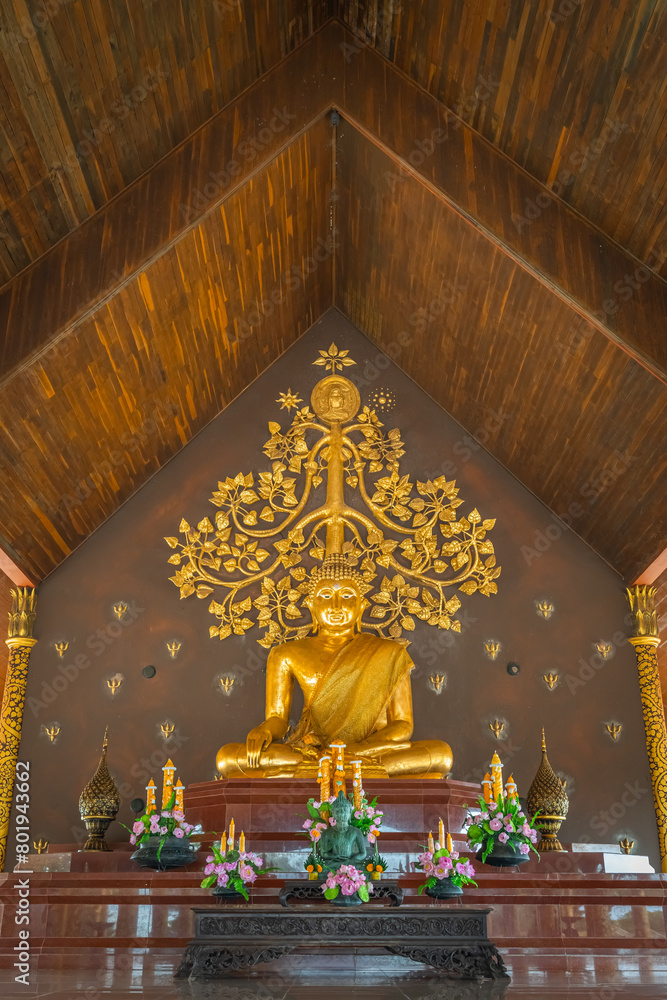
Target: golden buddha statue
[[356, 689]]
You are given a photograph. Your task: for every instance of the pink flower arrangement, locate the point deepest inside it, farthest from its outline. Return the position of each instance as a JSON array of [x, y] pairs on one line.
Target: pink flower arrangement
[[348, 880], [443, 864], [169, 822], [232, 870], [509, 826]]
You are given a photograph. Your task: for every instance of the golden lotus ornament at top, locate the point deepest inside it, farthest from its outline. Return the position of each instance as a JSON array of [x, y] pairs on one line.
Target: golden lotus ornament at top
[[351, 665]]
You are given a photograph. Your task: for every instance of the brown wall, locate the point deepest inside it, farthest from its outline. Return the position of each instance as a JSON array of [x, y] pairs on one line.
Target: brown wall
[[126, 559]]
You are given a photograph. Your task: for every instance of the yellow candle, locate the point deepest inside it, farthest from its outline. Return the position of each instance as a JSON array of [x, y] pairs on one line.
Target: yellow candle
[[441, 833], [497, 777], [223, 844], [150, 796], [487, 785], [339, 768], [168, 782], [431, 845], [450, 846], [231, 835], [356, 783], [510, 789], [325, 782], [179, 795], [242, 842]]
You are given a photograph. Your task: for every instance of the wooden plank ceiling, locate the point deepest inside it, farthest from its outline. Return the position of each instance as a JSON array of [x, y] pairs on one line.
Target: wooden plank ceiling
[[557, 85], [94, 92], [128, 336]]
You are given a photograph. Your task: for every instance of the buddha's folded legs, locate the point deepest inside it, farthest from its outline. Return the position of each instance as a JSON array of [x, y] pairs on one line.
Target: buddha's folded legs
[[276, 761], [424, 758]]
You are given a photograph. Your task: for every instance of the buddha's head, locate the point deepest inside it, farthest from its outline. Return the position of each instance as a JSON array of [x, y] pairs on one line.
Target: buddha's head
[[336, 596], [341, 809]]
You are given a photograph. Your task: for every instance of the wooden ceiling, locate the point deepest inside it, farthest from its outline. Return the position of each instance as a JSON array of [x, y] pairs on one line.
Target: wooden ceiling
[[94, 92], [132, 310], [539, 79]]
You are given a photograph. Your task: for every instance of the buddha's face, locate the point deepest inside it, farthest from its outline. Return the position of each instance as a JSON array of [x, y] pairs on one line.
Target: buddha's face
[[336, 605]]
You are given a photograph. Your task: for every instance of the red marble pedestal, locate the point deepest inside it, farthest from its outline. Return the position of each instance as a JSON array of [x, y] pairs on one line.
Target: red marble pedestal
[[271, 810]]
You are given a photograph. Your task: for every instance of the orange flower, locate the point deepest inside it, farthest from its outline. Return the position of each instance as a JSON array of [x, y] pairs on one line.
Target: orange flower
[[379, 868], [319, 868], [310, 868], [369, 868]]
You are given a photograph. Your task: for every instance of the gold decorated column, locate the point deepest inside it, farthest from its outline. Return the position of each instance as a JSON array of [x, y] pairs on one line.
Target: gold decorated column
[[646, 640], [20, 642]]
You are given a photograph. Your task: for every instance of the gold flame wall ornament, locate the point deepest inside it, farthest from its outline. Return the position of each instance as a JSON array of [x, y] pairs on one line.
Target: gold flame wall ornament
[[626, 845], [437, 682], [173, 648], [20, 641], [52, 731], [604, 649], [40, 845], [544, 608], [645, 639], [61, 648], [265, 526], [120, 609], [99, 803], [547, 796], [613, 729], [496, 727], [167, 729], [492, 648], [227, 683], [113, 683], [550, 680]]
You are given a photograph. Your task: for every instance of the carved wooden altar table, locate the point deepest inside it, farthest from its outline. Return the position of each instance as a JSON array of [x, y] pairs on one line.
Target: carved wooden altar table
[[235, 939]]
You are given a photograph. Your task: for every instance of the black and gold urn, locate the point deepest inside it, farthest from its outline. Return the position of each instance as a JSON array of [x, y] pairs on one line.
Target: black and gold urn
[[99, 804], [547, 796]]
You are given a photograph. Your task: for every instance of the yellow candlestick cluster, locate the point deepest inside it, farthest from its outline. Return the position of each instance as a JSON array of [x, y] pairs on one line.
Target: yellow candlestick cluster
[[168, 789], [492, 785], [338, 762]]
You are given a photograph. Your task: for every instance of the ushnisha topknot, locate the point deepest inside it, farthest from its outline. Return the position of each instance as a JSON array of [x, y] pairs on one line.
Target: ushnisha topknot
[[336, 567]]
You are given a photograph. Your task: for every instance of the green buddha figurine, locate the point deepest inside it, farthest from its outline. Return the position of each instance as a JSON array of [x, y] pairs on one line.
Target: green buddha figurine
[[356, 689], [342, 844]]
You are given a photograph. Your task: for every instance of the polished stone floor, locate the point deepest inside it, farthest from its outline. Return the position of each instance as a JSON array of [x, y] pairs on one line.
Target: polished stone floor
[[545, 978]]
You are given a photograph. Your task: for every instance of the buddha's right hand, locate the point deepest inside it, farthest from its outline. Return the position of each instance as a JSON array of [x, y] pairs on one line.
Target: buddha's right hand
[[257, 740]]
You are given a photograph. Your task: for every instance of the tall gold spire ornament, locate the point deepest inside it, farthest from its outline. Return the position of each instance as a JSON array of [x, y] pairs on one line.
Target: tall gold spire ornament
[[646, 640], [266, 524], [547, 796], [20, 641], [99, 803]]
